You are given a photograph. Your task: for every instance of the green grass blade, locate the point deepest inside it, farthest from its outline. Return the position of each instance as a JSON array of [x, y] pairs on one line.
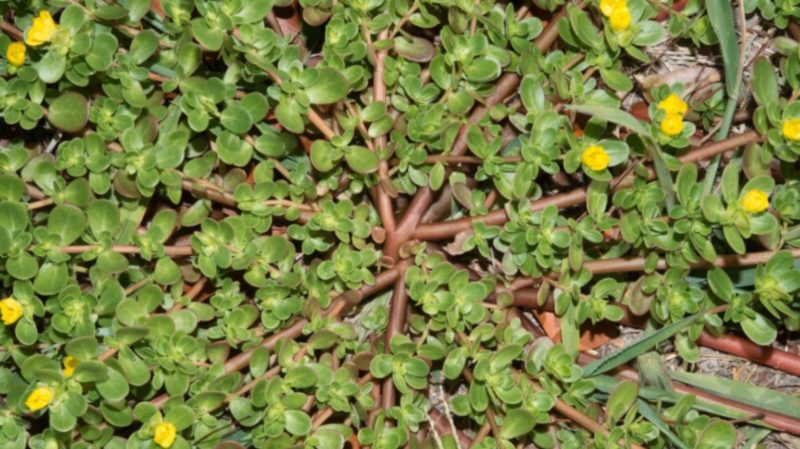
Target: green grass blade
[[720, 14], [662, 174], [634, 350], [753, 436], [613, 115], [651, 415], [764, 398], [606, 384], [652, 371]]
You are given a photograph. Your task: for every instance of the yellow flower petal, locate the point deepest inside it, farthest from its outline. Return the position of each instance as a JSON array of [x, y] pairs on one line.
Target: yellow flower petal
[[620, 19], [70, 363], [595, 157], [755, 201], [10, 311], [672, 125], [673, 104], [15, 53], [39, 398], [607, 7], [791, 129], [165, 434], [41, 30]]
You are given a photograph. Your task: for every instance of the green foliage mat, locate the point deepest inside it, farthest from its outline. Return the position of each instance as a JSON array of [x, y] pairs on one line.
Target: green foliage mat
[[396, 223]]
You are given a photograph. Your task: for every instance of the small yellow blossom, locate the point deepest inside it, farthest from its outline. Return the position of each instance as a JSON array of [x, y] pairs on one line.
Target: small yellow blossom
[[165, 434], [70, 363], [39, 398], [673, 105], [595, 157], [672, 125], [607, 7], [15, 53], [41, 30], [10, 311], [791, 129], [620, 19], [755, 201]]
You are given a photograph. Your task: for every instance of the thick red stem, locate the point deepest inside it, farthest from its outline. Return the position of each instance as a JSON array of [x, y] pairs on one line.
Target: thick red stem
[[731, 344], [396, 325], [506, 85], [447, 229]]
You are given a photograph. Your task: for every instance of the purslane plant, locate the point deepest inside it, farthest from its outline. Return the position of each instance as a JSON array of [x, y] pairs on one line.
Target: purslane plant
[[324, 225]]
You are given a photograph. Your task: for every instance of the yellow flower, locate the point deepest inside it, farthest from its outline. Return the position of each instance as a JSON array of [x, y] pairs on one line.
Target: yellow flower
[[595, 157], [607, 7], [165, 434], [15, 53], [10, 311], [39, 398], [673, 105], [41, 30], [791, 129], [672, 125], [70, 363], [755, 201], [620, 19]]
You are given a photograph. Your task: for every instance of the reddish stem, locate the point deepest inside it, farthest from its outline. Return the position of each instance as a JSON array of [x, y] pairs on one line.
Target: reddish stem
[[155, 6], [678, 5], [342, 302], [625, 265], [506, 85], [447, 229], [740, 347], [397, 322], [191, 294], [778, 421], [384, 203], [768, 356]]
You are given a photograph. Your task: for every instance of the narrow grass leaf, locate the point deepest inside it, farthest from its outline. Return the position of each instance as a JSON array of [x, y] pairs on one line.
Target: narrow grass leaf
[[652, 415], [753, 436], [634, 350], [720, 14], [613, 115], [765, 398], [606, 384]]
